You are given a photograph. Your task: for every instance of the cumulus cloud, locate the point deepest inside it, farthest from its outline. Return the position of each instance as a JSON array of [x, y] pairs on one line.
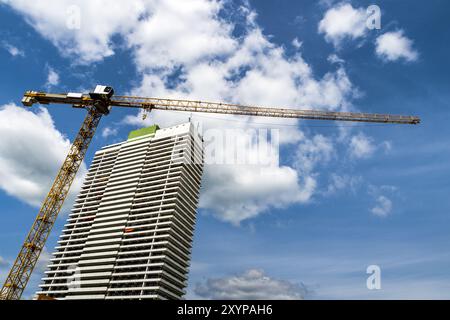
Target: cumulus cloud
[[13, 50], [52, 78], [109, 132], [333, 58], [361, 146], [343, 21], [238, 192], [297, 43], [181, 33], [393, 46], [382, 196], [31, 152], [191, 43], [161, 23], [91, 40], [310, 152], [383, 206], [342, 182], [165, 36], [253, 284]]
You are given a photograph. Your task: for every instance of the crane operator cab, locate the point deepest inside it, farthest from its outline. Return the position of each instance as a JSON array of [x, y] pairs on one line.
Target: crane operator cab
[[102, 97]]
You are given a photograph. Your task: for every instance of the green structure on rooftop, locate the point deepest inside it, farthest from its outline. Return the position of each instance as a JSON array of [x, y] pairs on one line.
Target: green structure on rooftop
[[143, 132]]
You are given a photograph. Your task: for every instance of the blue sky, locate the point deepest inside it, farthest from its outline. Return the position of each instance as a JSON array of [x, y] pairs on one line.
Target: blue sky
[[381, 191]]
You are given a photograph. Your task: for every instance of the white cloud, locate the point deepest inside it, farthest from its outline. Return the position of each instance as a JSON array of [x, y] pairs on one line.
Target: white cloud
[[167, 35], [297, 43], [161, 23], [342, 182], [310, 152], [109, 132], [92, 41], [13, 50], [238, 192], [393, 46], [52, 78], [253, 284], [191, 40], [179, 33], [361, 146], [383, 206], [334, 58], [343, 21], [31, 152]]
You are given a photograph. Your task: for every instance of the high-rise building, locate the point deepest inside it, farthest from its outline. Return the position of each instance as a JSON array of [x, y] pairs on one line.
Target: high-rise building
[[130, 232]]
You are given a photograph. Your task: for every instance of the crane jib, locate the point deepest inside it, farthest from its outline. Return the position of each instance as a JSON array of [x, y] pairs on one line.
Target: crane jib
[[83, 100]]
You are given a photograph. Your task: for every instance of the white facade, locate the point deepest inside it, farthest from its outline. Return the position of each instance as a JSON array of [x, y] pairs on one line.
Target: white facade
[[130, 232]]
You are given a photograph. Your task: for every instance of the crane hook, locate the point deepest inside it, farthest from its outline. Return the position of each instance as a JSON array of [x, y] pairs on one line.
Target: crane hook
[[146, 110]]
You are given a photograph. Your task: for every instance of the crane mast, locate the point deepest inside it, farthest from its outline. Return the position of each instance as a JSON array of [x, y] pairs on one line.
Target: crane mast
[[34, 243], [98, 103]]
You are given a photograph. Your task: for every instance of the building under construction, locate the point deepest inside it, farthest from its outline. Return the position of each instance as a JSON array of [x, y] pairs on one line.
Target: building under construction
[[130, 232]]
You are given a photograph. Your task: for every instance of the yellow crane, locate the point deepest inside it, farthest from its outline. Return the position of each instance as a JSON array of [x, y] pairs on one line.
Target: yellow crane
[[99, 103]]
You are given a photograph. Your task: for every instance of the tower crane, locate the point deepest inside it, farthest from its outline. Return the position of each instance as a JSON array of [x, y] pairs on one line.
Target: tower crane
[[99, 103]]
